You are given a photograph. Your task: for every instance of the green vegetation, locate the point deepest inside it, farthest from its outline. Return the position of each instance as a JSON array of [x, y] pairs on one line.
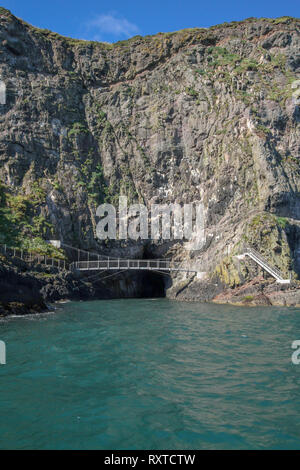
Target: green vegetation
[[38, 194], [265, 130], [221, 56], [246, 65], [21, 223], [280, 93], [263, 226], [291, 160], [128, 188], [96, 181], [39, 246], [247, 298], [162, 39], [77, 128], [101, 117], [103, 122], [282, 222], [191, 92], [50, 35], [91, 177], [200, 71], [278, 61], [111, 193], [247, 98], [282, 19], [56, 185], [4, 12]]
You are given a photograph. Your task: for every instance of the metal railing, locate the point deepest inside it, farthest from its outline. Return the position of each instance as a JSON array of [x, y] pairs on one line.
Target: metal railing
[[261, 261], [119, 264], [125, 264], [33, 258]]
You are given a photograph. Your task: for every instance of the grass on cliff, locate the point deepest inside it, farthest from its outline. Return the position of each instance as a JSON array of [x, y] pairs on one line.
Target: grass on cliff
[[21, 223], [182, 34]]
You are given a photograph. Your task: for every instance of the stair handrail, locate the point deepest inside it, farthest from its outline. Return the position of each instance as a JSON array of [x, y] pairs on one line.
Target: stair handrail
[[276, 272]]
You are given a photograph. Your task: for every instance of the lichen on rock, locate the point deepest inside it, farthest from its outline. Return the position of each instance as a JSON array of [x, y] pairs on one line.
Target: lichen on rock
[[199, 114]]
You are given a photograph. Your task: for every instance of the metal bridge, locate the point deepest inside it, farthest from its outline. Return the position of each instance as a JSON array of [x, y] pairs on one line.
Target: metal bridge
[[99, 263], [121, 264], [102, 263]]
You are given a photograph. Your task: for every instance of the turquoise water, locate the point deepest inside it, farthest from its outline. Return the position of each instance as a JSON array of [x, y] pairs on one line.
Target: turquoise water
[[151, 374]]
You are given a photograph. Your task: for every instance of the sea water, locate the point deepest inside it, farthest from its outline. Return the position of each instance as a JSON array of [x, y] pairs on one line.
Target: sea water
[[150, 374]]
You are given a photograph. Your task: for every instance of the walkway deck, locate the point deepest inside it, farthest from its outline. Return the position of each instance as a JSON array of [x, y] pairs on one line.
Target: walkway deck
[[134, 264]]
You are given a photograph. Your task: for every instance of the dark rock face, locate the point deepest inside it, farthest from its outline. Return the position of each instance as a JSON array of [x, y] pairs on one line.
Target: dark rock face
[[201, 114], [27, 289], [19, 293]]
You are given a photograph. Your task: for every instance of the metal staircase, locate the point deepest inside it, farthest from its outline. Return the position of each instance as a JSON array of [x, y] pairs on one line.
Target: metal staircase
[[263, 263]]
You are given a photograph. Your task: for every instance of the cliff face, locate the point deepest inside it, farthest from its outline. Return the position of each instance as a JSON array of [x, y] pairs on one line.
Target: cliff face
[[201, 114]]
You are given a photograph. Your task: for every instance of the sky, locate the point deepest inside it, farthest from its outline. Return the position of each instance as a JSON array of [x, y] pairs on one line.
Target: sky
[[116, 20]]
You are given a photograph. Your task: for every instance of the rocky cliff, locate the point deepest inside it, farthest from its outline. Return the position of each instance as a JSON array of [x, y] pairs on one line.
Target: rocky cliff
[[198, 114]]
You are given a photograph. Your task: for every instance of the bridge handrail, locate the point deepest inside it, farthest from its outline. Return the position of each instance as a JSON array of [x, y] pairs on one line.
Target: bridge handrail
[[123, 263], [164, 264]]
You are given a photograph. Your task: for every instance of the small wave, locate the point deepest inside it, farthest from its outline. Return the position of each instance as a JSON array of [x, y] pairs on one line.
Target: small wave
[[28, 316]]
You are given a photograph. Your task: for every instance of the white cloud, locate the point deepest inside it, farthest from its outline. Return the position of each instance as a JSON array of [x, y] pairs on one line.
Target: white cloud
[[111, 24]]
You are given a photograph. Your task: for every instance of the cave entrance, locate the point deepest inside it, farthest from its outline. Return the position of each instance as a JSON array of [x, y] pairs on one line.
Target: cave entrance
[[154, 284]]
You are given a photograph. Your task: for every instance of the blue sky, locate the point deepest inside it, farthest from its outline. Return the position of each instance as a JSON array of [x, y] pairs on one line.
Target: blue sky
[[115, 20]]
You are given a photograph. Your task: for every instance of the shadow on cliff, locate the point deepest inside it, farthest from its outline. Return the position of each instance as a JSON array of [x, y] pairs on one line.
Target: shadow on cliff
[[284, 204]]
